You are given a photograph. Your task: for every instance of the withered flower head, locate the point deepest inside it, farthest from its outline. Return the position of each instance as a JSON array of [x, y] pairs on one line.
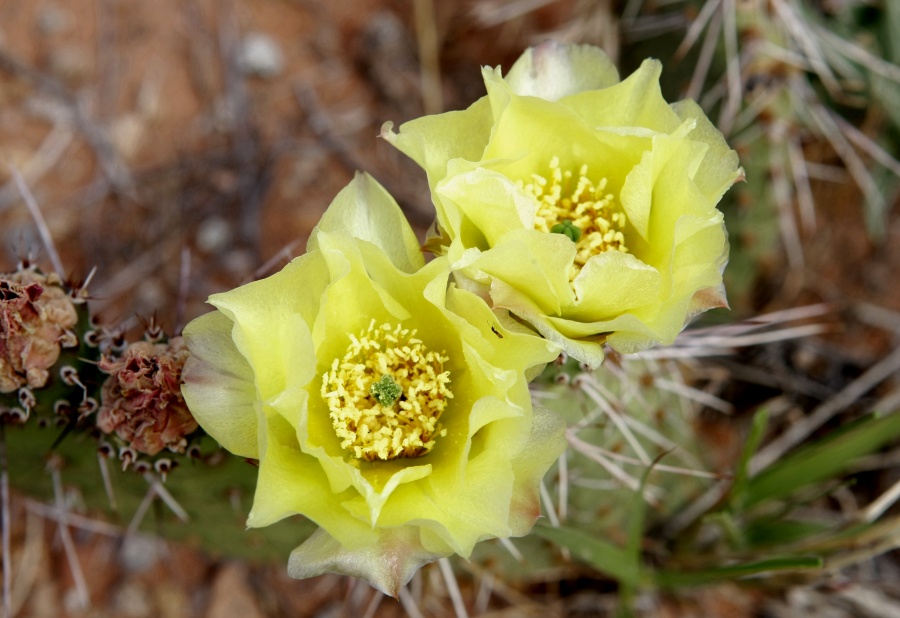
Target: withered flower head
[[36, 315], [141, 399]]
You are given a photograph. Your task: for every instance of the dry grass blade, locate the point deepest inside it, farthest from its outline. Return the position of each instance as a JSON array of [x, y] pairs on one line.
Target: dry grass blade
[[30, 563], [39, 220], [44, 159], [490, 14], [82, 598], [429, 57], [800, 174], [881, 504]]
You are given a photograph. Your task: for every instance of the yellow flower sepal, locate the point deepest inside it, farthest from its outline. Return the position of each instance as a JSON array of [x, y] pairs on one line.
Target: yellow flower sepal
[[255, 383], [656, 170]]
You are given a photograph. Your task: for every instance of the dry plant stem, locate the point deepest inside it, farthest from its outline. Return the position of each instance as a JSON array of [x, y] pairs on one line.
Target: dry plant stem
[[39, 221], [805, 202], [284, 255], [110, 162], [44, 159], [490, 14], [453, 588], [4, 501], [323, 128], [881, 504], [31, 562], [82, 597], [429, 61], [798, 432]]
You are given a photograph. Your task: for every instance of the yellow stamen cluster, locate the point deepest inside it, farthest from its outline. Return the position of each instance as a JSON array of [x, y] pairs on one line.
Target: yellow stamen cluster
[[564, 205], [380, 359]]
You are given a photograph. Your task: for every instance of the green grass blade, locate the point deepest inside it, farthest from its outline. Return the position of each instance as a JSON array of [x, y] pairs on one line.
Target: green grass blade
[[602, 555], [823, 460], [676, 579]]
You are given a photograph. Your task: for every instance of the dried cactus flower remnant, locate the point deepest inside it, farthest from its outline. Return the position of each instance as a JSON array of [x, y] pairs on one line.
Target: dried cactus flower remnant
[[582, 203], [377, 399], [141, 400], [36, 320]]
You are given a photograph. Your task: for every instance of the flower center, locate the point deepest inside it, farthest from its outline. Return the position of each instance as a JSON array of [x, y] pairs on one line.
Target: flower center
[[386, 394], [579, 209]]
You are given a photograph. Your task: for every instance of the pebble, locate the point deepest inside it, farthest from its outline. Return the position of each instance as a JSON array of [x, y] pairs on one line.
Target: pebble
[[214, 235], [260, 56], [54, 20]]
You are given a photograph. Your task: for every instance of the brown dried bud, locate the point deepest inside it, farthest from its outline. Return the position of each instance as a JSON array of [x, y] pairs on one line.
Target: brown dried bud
[[36, 315], [141, 399]]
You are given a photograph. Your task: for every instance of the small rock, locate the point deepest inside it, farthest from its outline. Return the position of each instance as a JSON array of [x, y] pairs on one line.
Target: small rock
[[214, 235], [54, 20], [260, 56]]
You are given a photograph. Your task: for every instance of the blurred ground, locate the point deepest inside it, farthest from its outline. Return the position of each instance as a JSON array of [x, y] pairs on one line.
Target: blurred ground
[[182, 148]]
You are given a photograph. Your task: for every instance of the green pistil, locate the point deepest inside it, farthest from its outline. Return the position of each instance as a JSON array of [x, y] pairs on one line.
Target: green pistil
[[386, 391], [568, 228]]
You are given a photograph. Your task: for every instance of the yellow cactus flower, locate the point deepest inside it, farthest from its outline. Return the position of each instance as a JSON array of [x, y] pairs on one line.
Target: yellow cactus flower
[[583, 204], [383, 402]]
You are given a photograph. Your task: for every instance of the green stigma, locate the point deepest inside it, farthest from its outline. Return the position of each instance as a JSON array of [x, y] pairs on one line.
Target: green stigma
[[386, 391], [567, 228]]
